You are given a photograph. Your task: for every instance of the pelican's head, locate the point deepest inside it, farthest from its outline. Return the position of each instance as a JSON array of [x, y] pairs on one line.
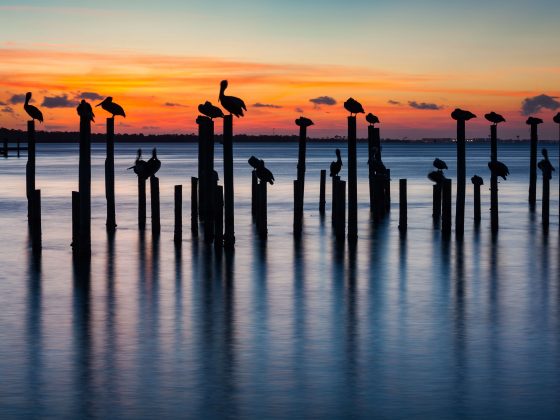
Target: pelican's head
[[545, 153], [27, 97], [337, 151], [224, 84], [154, 153], [139, 153]]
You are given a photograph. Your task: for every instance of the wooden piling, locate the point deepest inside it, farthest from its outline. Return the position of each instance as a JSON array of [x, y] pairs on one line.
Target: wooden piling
[[18, 148], [154, 203], [262, 219], [436, 202], [533, 167], [334, 180], [387, 191], [477, 204], [340, 217], [299, 198], [322, 201], [494, 218], [546, 200], [85, 186], [379, 188], [254, 192], [403, 212], [298, 218], [178, 231], [141, 203], [461, 179], [5, 149], [205, 167], [75, 220], [446, 207], [209, 223], [219, 217], [30, 166], [352, 180], [110, 222], [371, 158], [194, 207], [36, 231], [229, 232]]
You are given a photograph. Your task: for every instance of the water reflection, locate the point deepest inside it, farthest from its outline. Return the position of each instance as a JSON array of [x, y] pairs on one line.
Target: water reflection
[[34, 331]]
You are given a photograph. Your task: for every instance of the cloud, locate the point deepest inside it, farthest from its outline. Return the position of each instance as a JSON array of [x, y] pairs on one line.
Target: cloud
[[424, 105], [61, 101], [174, 104], [323, 100], [299, 110], [17, 99], [7, 110], [393, 102], [260, 105], [92, 96], [536, 103], [150, 127]]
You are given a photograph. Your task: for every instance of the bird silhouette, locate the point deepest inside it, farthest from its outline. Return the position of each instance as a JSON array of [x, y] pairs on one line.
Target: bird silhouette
[[152, 165], [494, 118], [139, 166], [85, 111], [210, 110], [461, 115], [533, 121], [111, 107], [233, 105], [372, 119], [545, 166], [31, 110], [437, 176], [263, 174], [378, 166], [303, 122], [556, 118], [439, 164], [477, 180], [336, 166], [498, 169], [353, 106]]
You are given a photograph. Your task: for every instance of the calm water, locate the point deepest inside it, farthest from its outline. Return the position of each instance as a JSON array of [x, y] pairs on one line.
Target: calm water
[[392, 327]]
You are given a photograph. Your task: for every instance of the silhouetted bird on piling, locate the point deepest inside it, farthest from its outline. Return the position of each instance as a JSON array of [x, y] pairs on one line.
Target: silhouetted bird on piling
[[336, 166], [139, 166], [498, 169], [233, 105], [85, 110], [556, 118], [533, 120], [353, 106], [494, 118], [437, 176], [477, 180], [372, 119], [304, 122], [263, 174], [210, 110], [152, 165], [439, 164], [462, 115], [111, 107], [31, 110], [545, 166], [378, 166]]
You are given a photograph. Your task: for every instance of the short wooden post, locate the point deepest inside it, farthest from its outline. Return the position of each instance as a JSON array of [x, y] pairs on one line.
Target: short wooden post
[[141, 203], [36, 230], [322, 185], [436, 202], [194, 207], [85, 186], [30, 166], [208, 222], [494, 221], [352, 180], [254, 192], [229, 233], [75, 220], [219, 217], [446, 205], [298, 218], [533, 167], [477, 204], [379, 191], [154, 202], [178, 232], [262, 220], [403, 215], [340, 226], [546, 200], [111, 222], [334, 180], [461, 179]]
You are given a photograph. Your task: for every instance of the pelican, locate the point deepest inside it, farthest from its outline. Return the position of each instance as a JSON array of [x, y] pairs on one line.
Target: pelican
[[263, 174], [378, 166], [461, 115], [353, 106], [84, 110], [372, 119], [477, 180], [439, 164], [210, 110], [494, 118], [545, 166], [152, 165], [556, 118], [533, 121], [139, 164], [233, 105], [31, 110], [498, 169], [111, 107], [336, 166], [437, 176], [303, 122]]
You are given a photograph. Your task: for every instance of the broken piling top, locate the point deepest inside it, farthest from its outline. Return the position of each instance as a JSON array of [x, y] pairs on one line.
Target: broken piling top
[[304, 122], [372, 119], [494, 118], [462, 115]]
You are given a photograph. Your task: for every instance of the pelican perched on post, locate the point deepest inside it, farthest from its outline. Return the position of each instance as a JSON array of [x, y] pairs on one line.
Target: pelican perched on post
[[494, 118], [545, 166], [533, 121], [477, 180], [263, 174], [31, 110], [152, 165], [84, 110], [210, 110], [111, 107], [439, 164], [437, 176], [461, 115], [336, 166], [353, 106], [303, 122], [372, 119], [139, 164], [233, 105], [498, 169]]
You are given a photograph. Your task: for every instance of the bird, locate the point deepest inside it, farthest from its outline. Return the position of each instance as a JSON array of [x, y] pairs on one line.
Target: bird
[[232, 104], [152, 165], [111, 107], [533, 121], [263, 174], [498, 169], [379, 167], [210, 110], [139, 164], [545, 166], [336, 166], [461, 115], [303, 122], [556, 118], [440, 164], [353, 106], [84, 110], [31, 110], [477, 180], [494, 118], [372, 119], [437, 176]]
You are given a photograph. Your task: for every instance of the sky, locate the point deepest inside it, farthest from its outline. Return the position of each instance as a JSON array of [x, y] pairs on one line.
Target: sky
[[408, 62]]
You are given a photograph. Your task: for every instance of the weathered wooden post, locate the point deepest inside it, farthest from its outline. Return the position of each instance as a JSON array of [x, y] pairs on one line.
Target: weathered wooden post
[[111, 222], [461, 117], [141, 203], [84, 184], [436, 202], [209, 223], [75, 221], [477, 182], [30, 167], [322, 192], [556, 119], [446, 207], [533, 122], [352, 180], [494, 215], [340, 217], [403, 213], [18, 148], [254, 192], [371, 172], [262, 219], [219, 218], [379, 184], [387, 191], [36, 230], [194, 207], [298, 217], [178, 231], [205, 166], [299, 186], [5, 149], [154, 202], [546, 167], [229, 231]]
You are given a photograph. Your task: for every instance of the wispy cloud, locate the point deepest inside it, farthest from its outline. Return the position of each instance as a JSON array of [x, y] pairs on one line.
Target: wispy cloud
[[261, 105], [323, 100], [393, 102], [7, 110], [61, 101], [174, 104], [536, 103], [424, 105], [91, 96], [17, 99], [299, 110]]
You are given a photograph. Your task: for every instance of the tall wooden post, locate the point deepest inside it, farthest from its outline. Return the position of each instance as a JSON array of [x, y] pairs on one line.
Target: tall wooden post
[[254, 192], [322, 192], [262, 219], [30, 167], [340, 206], [75, 221], [111, 221], [36, 230], [436, 202], [205, 166], [446, 207], [546, 200], [494, 215], [352, 180], [298, 216], [403, 212], [461, 179], [229, 232], [371, 172], [178, 232], [477, 204], [85, 186], [141, 203], [387, 191], [533, 166], [194, 207], [219, 217], [154, 202]]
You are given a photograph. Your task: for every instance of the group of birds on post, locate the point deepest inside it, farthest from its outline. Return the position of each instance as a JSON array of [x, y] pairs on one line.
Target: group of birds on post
[[146, 169], [232, 104]]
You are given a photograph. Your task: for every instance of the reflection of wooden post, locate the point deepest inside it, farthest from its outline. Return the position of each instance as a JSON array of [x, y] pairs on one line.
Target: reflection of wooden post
[[298, 217], [36, 223], [194, 207], [30, 167], [85, 186], [461, 179], [533, 167], [494, 221], [229, 233], [436, 204], [154, 202], [476, 204], [322, 192], [403, 216], [545, 200], [141, 203], [219, 217], [262, 228], [254, 186], [446, 205], [352, 180], [75, 220], [111, 223], [178, 232]]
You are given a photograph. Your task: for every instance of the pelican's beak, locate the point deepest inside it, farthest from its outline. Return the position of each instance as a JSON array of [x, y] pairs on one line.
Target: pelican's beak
[[99, 104]]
